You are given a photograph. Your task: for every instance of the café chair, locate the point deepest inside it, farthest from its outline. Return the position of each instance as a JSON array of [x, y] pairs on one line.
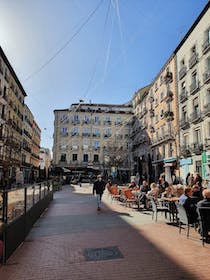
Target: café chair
[[183, 218], [204, 222], [156, 209]]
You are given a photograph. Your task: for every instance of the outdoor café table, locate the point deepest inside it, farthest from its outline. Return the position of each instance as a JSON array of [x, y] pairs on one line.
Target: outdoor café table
[[172, 206]]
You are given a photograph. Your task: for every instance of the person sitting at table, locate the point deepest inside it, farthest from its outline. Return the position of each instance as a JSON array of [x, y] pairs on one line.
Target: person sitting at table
[[189, 204], [196, 192], [168, 192], [132, 186], [154, 192], [179, 191], [144, 188], [205, 202]]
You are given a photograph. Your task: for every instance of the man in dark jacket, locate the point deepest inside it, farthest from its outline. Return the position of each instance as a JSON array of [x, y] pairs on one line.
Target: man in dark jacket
[[98, 188]]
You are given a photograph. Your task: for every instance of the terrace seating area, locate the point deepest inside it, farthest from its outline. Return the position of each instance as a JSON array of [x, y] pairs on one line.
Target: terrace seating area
[[171, 211]]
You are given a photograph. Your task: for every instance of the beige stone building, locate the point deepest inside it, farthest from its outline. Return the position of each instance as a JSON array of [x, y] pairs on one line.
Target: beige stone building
[[93, 136], [35, 149], [45, 162], [163, 122], [193, 76], [27, 143], [12, 107], [139, 134]]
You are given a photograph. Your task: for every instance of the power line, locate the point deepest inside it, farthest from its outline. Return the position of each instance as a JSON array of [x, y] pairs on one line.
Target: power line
[[65, 45], [97, 59]]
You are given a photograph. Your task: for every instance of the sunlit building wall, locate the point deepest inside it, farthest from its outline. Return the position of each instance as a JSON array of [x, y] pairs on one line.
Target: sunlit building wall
[[93, 135], [193, 76]]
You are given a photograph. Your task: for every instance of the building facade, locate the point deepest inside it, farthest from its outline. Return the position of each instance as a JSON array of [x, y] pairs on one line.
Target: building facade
[[163, 122], [16, 133], [12, 116], [93, 136], [193, 76], [27, 144], [139, 135], [45, 162], [35, 150]]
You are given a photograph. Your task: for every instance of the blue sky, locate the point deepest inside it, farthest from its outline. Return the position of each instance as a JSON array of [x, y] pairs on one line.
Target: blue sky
[[99, 50]]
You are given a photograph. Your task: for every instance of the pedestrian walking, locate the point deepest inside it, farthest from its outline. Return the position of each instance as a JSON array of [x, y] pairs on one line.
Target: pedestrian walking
[[98, 188]]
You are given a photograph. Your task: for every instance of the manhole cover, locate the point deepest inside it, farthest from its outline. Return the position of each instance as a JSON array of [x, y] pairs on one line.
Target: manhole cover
[[99, 254]]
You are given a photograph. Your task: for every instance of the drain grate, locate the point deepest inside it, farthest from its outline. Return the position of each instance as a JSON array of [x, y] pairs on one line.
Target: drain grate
[[99, 254]]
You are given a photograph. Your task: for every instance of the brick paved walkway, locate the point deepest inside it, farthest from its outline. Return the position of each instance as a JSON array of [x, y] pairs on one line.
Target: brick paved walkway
[[54, 249]]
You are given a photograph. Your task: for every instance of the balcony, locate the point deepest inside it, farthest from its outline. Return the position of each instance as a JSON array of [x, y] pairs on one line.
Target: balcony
[[193, 60], [151, 129], [185, 151], [74, 122], [64, 134], [184, 123], [207, 143], [75, 134], [197, 148], [96, 135], [168, 78], [206, 110], [169, 96], [206, 46], [151, 99], [169, 116], [206, 77], [107, 123], [183, 96], [194, 87], [196, 117], [182, 72], [85, 134]]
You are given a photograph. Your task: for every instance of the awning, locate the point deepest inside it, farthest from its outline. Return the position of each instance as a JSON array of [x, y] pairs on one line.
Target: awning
[[168, 160]]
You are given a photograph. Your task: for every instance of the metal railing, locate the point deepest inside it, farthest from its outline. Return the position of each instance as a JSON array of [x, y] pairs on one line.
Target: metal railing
[[19, 210]]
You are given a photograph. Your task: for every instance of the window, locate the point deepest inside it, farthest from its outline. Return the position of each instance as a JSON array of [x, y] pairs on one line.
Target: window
[[164, 151], [95, 144], [184, 113], [195, 105], [197, 136], [170, 151], [186, 140], [86, 119], [107, 119], [76, 119], [95, 158], [183, 86], [107, 132], [208, 129], [118, 120], [74, 131], [182, 63], [86, 131], [193, 50], [63, 157], [96, 132], [194, 79], [85, 158], [64, 131], [85, 144], [96, 119], [74, 157], [198, 166], [64, 118]]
